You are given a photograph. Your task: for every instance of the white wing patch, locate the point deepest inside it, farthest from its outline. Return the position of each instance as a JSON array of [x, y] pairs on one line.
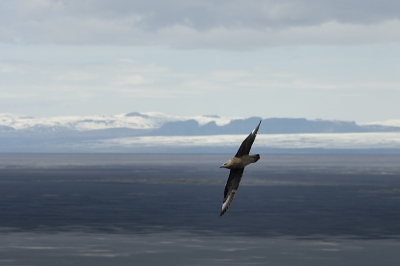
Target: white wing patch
[[228, 201]]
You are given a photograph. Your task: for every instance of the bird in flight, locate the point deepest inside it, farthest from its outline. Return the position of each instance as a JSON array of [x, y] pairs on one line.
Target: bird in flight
[[237, 164]]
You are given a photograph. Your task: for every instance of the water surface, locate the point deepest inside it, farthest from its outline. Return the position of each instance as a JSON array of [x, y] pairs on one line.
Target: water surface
[[164, 210]]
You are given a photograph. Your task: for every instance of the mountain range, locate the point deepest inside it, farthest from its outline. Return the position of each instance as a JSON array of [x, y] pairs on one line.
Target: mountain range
[[24, 133], [159, 124]]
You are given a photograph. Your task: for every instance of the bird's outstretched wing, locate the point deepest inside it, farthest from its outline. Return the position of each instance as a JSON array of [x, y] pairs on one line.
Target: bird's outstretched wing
[[246, 144], [232, 184]]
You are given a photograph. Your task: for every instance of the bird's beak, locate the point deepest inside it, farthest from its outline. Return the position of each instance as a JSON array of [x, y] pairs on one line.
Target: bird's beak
[[221, 166]]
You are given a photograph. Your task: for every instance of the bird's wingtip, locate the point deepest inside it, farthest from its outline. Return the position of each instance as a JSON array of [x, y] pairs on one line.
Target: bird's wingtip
[[256, 129]]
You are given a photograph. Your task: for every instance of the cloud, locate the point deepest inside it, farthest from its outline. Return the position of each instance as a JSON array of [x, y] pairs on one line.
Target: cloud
[[120, 74], [56, 81], [234, 24], [303, 141]]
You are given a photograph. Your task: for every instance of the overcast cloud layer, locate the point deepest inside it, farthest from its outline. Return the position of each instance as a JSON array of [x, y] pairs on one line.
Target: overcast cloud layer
[[234, 24], [308, 58]]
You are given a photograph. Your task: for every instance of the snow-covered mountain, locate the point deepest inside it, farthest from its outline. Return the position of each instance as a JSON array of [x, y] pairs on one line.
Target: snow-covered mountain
[[158, 132], [160, 124], [134, 120]]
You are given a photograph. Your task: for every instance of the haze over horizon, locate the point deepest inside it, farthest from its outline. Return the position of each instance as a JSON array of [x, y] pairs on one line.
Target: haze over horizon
[[333, 60]]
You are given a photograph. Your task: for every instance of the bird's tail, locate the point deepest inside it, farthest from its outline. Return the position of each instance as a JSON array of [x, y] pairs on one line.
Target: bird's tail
[[255, 157]]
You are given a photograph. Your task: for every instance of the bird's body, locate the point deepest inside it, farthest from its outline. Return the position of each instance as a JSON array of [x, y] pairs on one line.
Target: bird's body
[[237, 164], [241, 162]]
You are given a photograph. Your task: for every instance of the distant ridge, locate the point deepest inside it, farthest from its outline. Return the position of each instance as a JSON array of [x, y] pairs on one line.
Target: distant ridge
[[159, 124], [137, 114], [147, 132], [271, 126]]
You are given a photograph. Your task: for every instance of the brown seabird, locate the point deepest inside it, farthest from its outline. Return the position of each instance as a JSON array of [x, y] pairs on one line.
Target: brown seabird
[[237, 164]]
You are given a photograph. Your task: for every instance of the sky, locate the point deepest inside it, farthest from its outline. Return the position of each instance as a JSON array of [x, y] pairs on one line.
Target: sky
[[316, 59]]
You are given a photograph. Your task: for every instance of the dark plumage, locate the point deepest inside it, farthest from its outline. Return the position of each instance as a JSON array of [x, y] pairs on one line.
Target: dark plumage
[[237, 165]]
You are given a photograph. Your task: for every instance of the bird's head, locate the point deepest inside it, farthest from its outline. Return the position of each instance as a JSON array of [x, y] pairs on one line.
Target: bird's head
[[225, 165]]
